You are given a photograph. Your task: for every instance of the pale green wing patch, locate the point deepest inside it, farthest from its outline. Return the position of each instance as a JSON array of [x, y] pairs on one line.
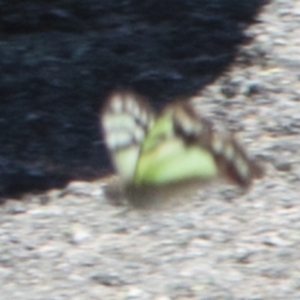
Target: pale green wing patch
[[166, 158], [172, 161]]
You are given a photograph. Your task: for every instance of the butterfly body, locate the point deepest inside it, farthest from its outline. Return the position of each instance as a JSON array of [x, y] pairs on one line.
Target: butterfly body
[[152, 151]]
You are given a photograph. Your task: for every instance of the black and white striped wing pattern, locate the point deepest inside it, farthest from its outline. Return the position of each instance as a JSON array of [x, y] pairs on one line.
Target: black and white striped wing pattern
[[126, 120]]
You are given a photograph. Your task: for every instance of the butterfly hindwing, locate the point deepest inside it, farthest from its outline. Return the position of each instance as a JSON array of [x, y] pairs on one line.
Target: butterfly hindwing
[[167, 157]]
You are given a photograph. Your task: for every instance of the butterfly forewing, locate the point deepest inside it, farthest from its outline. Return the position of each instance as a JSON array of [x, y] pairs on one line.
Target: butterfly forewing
[[233, 160], [229, 155], [126, 119]]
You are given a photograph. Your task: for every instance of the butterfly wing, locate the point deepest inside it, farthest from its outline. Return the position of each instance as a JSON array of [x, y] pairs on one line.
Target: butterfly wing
[[230, 157], [126, 119], [178, 145], [183, 146], [167, 156]]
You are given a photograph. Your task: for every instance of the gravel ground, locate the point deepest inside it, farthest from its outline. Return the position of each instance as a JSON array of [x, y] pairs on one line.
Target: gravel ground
[[222, 244]]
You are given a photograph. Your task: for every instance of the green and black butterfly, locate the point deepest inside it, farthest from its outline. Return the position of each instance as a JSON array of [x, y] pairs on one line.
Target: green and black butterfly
[[170, 149]]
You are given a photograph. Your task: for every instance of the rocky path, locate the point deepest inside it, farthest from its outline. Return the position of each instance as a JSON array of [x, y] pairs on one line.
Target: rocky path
[[74, 244]]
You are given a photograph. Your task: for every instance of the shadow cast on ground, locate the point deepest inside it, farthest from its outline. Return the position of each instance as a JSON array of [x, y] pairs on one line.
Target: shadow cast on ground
[[60, 60]]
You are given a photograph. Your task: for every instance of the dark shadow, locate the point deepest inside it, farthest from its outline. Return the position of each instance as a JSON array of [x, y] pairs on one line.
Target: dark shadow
[[59, 60]]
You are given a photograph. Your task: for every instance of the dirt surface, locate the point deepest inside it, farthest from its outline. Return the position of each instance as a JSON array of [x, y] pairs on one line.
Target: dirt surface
[[72, 243]]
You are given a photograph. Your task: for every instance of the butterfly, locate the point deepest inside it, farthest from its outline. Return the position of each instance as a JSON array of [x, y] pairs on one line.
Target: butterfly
[[168, 150]]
